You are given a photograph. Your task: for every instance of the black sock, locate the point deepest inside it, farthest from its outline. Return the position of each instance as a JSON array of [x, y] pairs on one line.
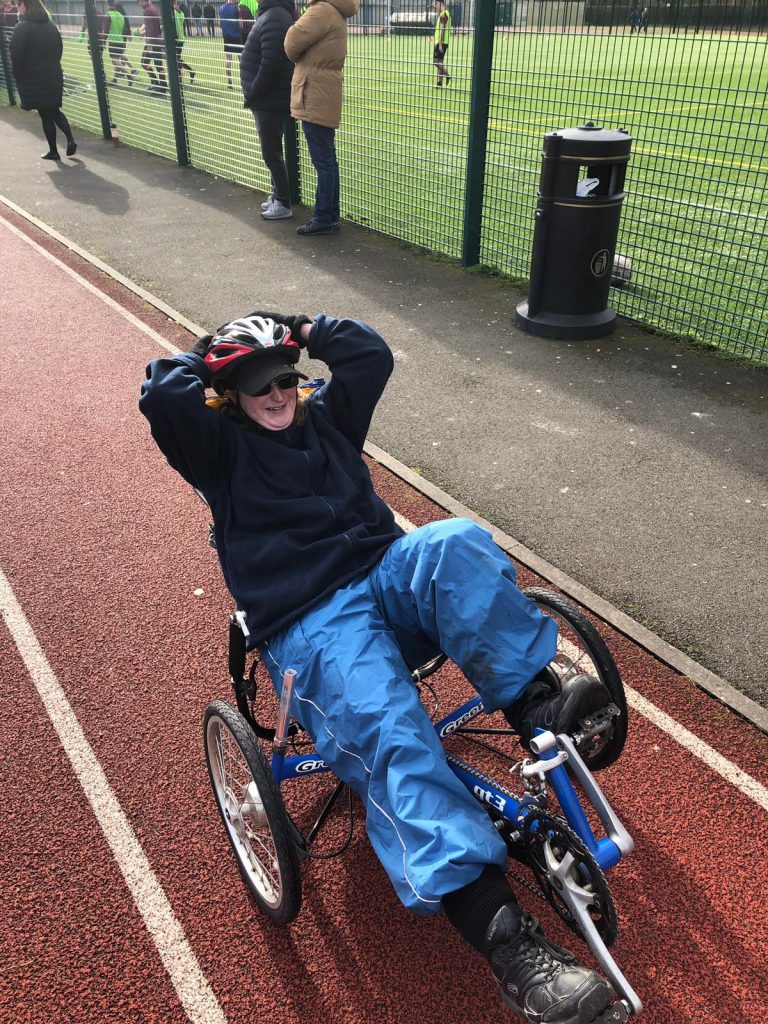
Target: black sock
[[472, 908]]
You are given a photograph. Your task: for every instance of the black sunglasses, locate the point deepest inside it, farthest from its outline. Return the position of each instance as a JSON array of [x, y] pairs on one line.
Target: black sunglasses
[[284, 383]]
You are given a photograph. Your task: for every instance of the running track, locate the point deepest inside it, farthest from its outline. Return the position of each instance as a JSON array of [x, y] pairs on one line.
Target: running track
[[121, 901]]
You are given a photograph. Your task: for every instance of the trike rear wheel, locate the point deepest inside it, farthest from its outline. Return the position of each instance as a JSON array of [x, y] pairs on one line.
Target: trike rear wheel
[[582, 651], [253, 813]]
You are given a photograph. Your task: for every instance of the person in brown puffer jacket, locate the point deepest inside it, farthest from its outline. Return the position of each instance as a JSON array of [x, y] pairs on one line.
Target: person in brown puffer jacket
[[317, 45]]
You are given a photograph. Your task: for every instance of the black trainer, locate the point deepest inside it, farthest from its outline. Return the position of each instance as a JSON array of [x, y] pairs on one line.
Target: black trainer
[[540, 708], [539, 980], [316, 228]]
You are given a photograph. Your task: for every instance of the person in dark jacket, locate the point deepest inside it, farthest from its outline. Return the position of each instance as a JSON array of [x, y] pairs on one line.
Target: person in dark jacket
[[265, 77], [196, 10], [245, 18], [332, 587], [229, 17], [209, 13], [10, 15], [36, 60], [152, 55]]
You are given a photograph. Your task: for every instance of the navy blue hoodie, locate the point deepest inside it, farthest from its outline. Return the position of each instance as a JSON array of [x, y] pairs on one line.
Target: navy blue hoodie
[[295, 513]]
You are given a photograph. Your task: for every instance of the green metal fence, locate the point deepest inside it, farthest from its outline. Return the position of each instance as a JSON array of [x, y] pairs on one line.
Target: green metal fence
[[455, 169]]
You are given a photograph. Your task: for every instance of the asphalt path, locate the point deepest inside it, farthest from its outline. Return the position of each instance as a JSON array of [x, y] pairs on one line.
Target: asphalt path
[[121, 899], [634, 464]]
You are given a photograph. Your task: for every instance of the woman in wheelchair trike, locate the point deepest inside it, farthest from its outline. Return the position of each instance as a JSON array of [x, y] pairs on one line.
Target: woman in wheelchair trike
[[333, 592]]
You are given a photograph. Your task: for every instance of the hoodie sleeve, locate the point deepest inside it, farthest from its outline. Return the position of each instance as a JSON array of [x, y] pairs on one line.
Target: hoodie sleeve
[[192, 437], [361, 363]]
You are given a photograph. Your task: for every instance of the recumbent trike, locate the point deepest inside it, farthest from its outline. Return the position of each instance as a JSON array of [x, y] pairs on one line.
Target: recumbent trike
[[558, 844]]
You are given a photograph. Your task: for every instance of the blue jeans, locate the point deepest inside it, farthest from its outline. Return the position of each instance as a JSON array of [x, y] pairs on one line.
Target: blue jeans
[[448, 587], [322, 149]]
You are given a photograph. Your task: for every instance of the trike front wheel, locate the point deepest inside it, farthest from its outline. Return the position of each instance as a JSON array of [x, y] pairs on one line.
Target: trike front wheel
[[253, 813], [582, 651]]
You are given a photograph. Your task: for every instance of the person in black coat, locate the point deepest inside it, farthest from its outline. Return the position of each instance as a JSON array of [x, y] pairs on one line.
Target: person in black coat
[[36, 60], [265, 77], [209, 13]]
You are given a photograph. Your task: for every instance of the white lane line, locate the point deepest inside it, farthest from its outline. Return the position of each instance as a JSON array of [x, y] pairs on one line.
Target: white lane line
[[729, 771], [191, 985], [107, 299], [699, 748]]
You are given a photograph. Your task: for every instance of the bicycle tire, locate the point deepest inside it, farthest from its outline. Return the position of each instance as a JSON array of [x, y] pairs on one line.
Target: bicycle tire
[[253, 813], [602, 665]]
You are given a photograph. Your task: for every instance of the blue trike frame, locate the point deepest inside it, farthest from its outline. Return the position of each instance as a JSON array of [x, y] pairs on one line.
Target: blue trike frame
[[607, 850]]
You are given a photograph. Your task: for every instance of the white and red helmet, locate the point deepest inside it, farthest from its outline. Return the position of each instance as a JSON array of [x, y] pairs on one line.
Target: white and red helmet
[[248, 343]]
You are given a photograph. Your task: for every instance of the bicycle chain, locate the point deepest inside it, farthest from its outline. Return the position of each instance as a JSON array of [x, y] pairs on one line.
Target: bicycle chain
[[488, 781], [481, 776]]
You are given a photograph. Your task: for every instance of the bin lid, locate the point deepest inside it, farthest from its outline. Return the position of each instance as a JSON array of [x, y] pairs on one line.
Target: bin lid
[[590, 140]]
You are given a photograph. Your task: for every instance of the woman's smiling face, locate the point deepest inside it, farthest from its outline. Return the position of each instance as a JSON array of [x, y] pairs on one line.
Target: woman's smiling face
[[274, 411]]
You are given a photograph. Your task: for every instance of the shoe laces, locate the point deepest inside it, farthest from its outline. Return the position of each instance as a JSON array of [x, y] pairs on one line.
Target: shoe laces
[[531, 945]]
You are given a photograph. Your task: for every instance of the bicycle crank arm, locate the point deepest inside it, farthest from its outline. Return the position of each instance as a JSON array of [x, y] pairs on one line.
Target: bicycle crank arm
[[609, 819], [561, 874]]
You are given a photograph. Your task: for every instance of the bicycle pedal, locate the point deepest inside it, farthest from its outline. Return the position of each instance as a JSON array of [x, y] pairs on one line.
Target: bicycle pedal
[[619, 1013], [598, 721]]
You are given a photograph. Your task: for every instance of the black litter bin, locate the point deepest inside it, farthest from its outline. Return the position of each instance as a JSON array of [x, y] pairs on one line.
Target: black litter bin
[[577, 222]]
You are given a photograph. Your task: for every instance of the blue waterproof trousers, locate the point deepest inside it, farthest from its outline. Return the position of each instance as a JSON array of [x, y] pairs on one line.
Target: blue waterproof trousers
[[445, 587]]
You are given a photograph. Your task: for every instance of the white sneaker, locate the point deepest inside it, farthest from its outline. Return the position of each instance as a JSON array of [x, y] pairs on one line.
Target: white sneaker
[[267, 202], [277, 211]]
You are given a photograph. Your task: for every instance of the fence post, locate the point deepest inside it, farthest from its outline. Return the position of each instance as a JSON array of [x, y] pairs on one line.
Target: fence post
[[174, 82], [6, 66], [99, 79], [482, 60], [292, 162]]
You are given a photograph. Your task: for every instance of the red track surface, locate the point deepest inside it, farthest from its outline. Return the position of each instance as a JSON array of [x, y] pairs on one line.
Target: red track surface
[[104, 547]]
